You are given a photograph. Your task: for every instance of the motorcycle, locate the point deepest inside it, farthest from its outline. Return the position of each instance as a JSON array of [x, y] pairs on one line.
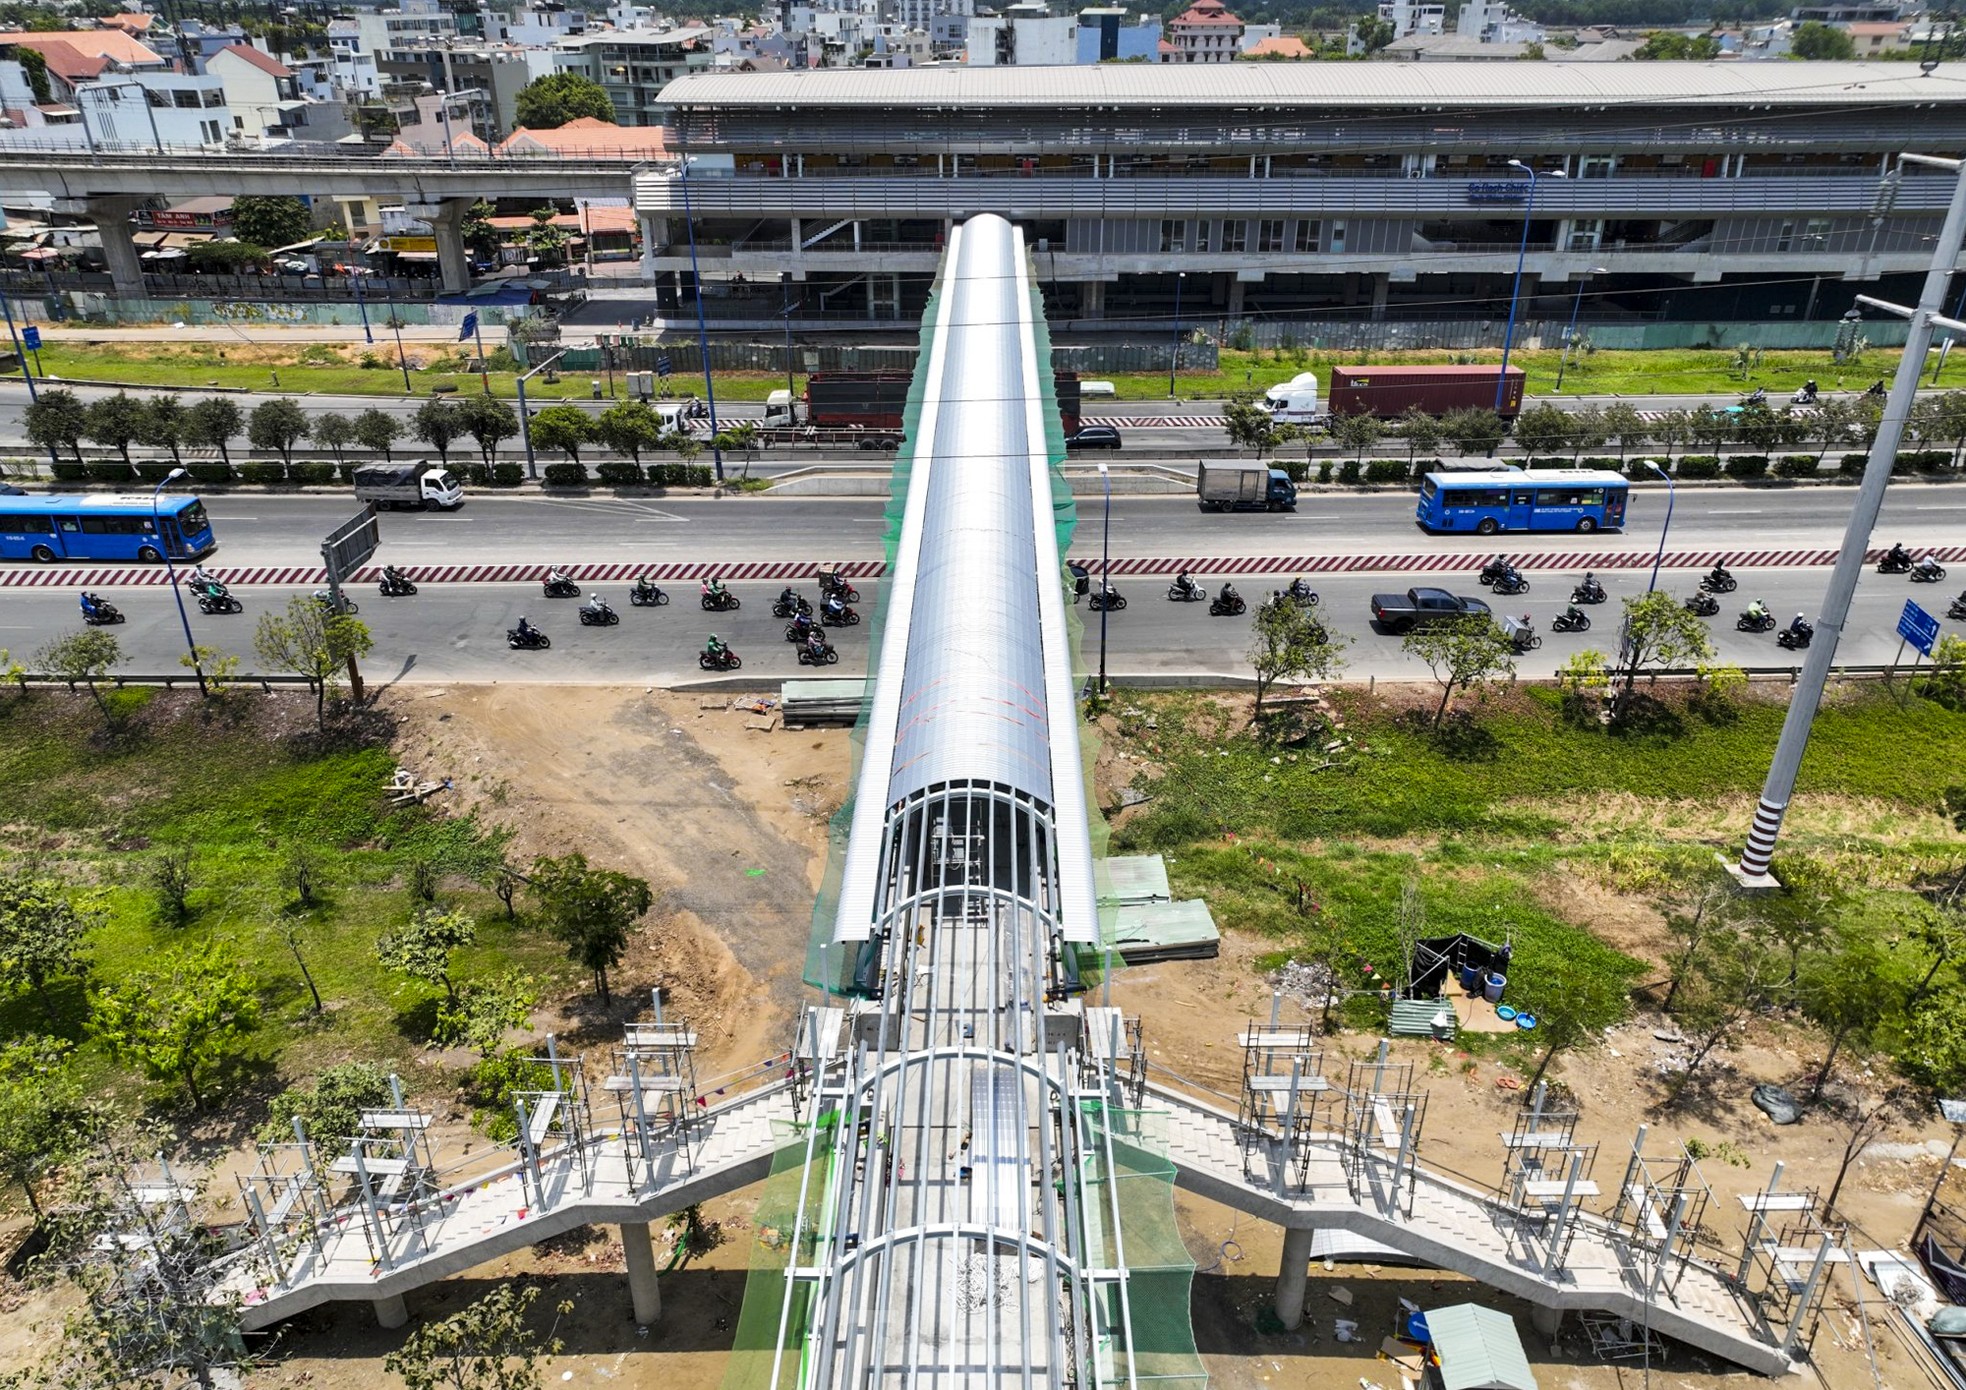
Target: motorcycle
[[1511, 583], [719, 601], [346, 608], [1928, 574], [1106, 600], [1747, 622], [1795, 639], [1590, 591], [841, 617], [1230, 607], [1525, 638], [1958, 609], [1189, 593], [1703, 605], [796, 631], [1300, 593], [604, 616], [559, 586], [784, 608], [646, 595], [1876, 391], [1891, 564], [100, 612], [1571, 620], [726, 660], [533, 641], [830, 583], [823, 655], [1497, 566], [1718, 581], [1805, 396], [394, 585], [209, 602], [1758, 396]]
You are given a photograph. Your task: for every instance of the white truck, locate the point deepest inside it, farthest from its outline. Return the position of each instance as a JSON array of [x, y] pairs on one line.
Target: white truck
[[425, 483], [1294, 400]]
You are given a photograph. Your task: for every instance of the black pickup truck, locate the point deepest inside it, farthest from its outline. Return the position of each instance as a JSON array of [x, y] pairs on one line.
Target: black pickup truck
[[1422, 608]]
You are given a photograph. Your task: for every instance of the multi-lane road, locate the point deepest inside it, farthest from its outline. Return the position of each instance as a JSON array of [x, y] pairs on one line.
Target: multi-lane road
[[455, 632]]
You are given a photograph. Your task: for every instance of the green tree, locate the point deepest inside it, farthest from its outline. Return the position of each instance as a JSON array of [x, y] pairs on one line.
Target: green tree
[[213, 424], [83, 658], [1850, 992], [162, 425], [1834, 419], [481, 239], [1934, 1049], [547, 103], [438, 422], [1945, 679], [181, 1021], [1355, 433], [485, 1345], [226, 257], [271, 222], [1289, 641], [485, 1010], [41, 936], [277, 424], [334, 430], [490, 422], [1543, 429], [1251, 427], [1421, 431], [1373, 33], [562, 427], [171, 875], [591, 910], [35, 68], [1587, 430], [628, 427], [1581, 1002], [44, 1115], [1473, 430], [1678, 48], [544, 238], [1659, 631], [312, 642], [1817, 42], [57, 420], [1625, 426], [377, 431], [1461, 654], [1672, 428], [422, 947], [331, 1108], [740, 437], [116, 421]]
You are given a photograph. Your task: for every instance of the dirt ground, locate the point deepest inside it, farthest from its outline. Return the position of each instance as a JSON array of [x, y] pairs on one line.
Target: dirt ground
[[730, 822]]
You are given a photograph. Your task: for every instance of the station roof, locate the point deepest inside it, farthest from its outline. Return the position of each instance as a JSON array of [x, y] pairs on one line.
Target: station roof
[[1283, 85]]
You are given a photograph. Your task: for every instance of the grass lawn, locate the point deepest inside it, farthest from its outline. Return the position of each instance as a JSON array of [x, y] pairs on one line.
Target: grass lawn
[[243, 785]]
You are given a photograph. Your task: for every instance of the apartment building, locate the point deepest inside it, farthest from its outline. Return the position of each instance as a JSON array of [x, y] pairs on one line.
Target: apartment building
[[634, 65], [1689, 190]]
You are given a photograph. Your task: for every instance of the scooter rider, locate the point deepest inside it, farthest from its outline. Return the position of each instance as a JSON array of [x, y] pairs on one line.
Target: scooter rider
[[1184, 583], [1898, 556], [1299, 589], [1758, 612], [1228, 594], [1800, 627], [596, 603], [526, 630], [555, 578], [802, 623], [788, 597], [90, 608], [1927, 563], [1590, 584], [715, 585], [715, 649], [835, 606], [815, 643]]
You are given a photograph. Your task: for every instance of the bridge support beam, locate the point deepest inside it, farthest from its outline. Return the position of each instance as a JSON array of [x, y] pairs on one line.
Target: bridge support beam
[[446, 219], [1546, 1321], [111, 214], [392, 1311], [1292, 1275], [643, 1290]]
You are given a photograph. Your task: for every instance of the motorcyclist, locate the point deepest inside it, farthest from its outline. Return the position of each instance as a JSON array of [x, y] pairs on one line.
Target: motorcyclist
[[1718, 575], [1105, 592], [788, 597], [715, 586], [391, 578], [643, 585], [1898, 556], [554, 578], [829, 580], [1757, 612], [1927, 563], [815, 643], [596, 603], [1573, 614], [1807, 394], [1299, 589], [1876, 388], [526, 630], [1227, 598], [204, 578], [802, 622], [1590, 585], [835, 606], [90, 606], [1800, 627], [715, 649], [1184, 583]]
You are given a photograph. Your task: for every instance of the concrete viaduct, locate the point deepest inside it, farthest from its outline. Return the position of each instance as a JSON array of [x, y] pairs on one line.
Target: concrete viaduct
[[109, 187]]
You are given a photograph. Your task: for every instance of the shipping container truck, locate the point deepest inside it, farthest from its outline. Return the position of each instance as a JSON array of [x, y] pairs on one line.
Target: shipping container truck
[[1243, 487], [1294, 400], [1389, 392], [866, 408]]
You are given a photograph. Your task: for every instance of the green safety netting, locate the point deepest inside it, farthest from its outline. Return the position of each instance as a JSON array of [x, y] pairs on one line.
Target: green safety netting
[[792, 1200]]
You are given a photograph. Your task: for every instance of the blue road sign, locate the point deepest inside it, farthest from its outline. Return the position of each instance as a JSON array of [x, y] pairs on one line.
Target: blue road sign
[[468, 327], [1918, 627], [663, 366], [31, 336]]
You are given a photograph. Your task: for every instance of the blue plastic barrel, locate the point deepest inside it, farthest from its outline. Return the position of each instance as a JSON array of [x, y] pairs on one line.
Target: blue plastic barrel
[[1492, 991], [1470, 979]]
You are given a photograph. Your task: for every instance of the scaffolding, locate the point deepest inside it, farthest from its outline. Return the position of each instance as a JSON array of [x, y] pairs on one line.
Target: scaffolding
[[652, 1077], [1114, 1055], [1546, 1177], [1383, 1116], [391, 1169], [818, 1044], [1662, 1203], [286, 1203], [1786, 1258], [561, 1110]]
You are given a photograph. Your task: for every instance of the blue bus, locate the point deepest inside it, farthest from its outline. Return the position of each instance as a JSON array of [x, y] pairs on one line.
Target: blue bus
[[101, 526], [1509, 499]]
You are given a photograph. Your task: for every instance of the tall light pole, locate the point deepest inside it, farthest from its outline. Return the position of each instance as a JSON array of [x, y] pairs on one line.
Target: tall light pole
[[1105, 571], [1174, 358], [1660, 555], [1515, 294], [1570, 333], [1752, 871], [164, 544], [785, 285]]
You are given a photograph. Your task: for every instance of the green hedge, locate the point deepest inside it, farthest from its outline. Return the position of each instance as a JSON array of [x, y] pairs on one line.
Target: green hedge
[[1348, 471], [1796, 466], [263, 471], [1745, 466], [69, 471], [212, 473], [617, 472], [154, 470], [682, 474], [1297, 470], [1546, 462], [312, 473], [566, 474], [1324, 471], [1922, 461], [507, 475], [346, 471], [1699, 466], [1600, 461], [112, 471], [1388, 471]]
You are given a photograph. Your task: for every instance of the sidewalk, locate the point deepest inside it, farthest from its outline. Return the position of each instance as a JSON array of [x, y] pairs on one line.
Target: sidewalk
[[255, 332]]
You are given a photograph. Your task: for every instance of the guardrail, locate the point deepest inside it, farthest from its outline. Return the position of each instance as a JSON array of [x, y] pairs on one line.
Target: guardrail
[[169, 682]]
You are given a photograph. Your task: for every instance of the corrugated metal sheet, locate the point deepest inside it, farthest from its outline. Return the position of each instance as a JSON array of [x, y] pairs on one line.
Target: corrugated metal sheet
[[1479, 1349], [1132, 878], [1532, 85]]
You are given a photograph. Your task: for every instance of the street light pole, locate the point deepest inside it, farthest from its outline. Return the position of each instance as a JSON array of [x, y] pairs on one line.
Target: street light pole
[[1752, 871], [1570, 333], [785, 284], [1105, 571], [170, 570], [1174, 358], [1515, 294], [1671, 491]]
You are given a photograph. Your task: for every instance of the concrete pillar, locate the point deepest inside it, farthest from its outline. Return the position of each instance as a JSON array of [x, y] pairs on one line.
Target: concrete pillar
[[391, 1311], [112, 218], [1546, 1321], [652, 245], [1381, 281], [446, 219], [643, 1291], [1092, 305], [1292, 1274], [1234, 306]]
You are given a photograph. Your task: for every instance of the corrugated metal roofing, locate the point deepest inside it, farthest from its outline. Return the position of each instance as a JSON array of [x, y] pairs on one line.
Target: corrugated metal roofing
[[1479, 1349], [1333, 84]]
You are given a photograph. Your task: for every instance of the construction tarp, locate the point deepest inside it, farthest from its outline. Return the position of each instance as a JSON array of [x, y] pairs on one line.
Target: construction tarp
[[1143, 933], [1131, 878], [1438, 960], [1478, 1349]]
